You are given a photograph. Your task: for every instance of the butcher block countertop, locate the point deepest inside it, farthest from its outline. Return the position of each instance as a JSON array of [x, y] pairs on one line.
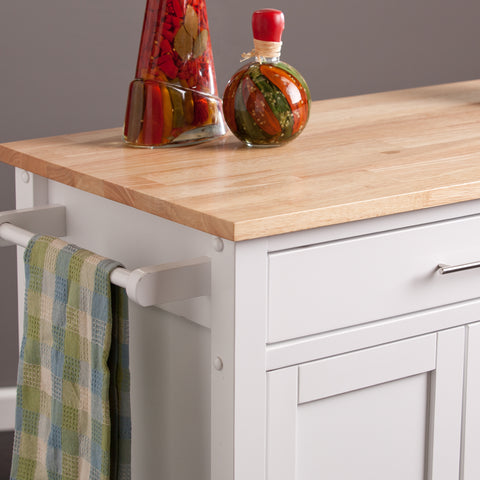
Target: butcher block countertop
[[359, 157]]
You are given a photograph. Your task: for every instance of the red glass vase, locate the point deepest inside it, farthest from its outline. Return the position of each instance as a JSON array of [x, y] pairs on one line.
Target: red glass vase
[[173, 99]]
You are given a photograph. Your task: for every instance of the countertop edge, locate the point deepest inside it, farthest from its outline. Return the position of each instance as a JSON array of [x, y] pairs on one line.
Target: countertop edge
[[88, 183]]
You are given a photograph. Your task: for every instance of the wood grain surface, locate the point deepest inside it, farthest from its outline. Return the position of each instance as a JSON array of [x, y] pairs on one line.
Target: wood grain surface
[[359, 157]]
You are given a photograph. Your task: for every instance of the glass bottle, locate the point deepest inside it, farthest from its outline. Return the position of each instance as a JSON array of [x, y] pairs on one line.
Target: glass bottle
[[267, 102], [173, 99]]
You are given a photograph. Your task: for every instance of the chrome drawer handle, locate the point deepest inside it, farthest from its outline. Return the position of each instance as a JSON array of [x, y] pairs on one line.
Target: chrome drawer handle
[[444, 269]]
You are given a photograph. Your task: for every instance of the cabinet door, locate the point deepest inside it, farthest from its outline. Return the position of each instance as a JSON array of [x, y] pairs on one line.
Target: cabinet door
[[392, 411], [471, 411]]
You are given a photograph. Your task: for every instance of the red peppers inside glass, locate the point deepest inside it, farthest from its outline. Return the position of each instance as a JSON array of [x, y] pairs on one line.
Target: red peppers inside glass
[[173, 99]]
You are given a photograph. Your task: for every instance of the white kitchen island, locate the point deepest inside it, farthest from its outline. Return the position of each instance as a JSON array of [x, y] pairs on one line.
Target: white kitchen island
[[329, 345]]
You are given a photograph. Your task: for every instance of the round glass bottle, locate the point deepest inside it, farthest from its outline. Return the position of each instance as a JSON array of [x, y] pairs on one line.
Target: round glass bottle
[[173, 99], [267, 102]]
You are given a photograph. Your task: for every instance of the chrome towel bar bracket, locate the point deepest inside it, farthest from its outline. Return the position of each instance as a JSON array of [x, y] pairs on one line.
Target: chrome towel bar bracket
[[146, 286]]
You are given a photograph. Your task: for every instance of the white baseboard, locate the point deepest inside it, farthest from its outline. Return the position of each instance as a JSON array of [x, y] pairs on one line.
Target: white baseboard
[[7, 408]]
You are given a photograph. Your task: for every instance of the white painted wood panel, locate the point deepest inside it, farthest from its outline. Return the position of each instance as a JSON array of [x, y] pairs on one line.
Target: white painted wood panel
[[282, 398], [365, 434], [324, 345], [392, 411], [172, 374], [372, 225], [446, 394], [7, 408], [365, 368], [471, 411], [250, 370], [351, 282], [222, 356]]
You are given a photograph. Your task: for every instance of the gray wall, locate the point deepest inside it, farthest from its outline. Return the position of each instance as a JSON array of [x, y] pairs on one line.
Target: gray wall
[[65, 66], [8, 288]]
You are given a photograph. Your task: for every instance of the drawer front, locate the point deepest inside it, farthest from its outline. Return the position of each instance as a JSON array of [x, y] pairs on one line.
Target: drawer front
[[350, 282]]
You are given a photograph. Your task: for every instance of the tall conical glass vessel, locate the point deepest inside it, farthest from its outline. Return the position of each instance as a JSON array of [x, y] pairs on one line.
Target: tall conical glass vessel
[[173, 99]]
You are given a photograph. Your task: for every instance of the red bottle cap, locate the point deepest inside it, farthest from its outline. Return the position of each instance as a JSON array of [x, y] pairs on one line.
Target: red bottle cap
[[268, 25]]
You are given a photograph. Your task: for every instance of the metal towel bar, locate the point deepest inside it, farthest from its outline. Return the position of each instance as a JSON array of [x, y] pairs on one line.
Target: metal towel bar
[[147, 286]]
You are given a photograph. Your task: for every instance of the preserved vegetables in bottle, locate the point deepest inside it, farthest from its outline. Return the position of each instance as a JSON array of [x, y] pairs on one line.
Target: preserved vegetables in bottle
[[267, 102], [173, 99]]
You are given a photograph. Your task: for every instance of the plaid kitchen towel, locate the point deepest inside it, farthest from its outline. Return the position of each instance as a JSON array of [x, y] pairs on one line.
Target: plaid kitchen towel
[[73, 394]]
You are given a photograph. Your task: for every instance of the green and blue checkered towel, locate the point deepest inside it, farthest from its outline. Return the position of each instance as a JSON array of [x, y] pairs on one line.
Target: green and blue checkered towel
[[73, 394]]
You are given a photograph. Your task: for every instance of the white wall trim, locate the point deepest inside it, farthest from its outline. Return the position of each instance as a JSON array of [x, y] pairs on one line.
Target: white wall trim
[[7, 408]]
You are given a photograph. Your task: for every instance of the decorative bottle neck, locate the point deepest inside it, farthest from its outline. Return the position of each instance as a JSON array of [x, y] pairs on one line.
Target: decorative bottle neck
[[261, 59], [267, 49], [264, 51]]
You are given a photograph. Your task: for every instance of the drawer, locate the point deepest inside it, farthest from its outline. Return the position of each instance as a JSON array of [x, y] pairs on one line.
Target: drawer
[[350, 282]]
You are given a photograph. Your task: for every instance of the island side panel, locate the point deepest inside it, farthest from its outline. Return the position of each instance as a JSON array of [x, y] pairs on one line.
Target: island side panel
[[181, 404]]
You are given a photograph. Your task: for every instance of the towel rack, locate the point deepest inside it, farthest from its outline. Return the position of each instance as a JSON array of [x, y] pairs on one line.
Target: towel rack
[[148, 286]]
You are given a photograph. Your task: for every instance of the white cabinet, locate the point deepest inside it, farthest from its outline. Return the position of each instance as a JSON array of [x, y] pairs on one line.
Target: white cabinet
[[373, 364], [336, 353], [351, 281], [392, 411]]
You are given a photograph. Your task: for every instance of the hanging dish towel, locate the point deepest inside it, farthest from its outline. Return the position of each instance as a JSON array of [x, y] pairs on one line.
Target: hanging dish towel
[[73, 394]]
